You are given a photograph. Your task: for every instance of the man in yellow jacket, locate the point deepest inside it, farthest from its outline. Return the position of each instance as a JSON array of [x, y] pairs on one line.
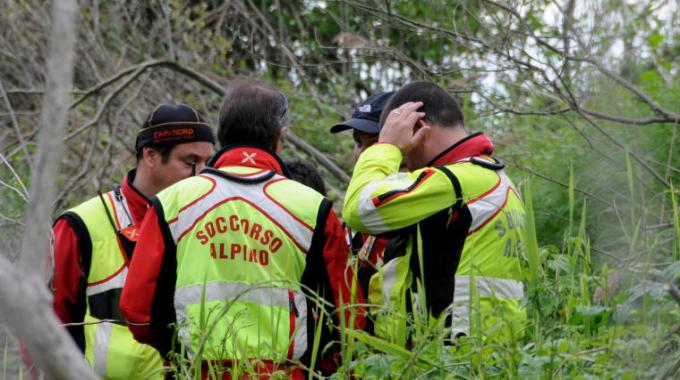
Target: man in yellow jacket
[[237, 257], [94, 241], [462, 216]]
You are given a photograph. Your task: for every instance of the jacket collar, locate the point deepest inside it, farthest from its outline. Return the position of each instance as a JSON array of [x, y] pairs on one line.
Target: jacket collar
[[250, 156], [137, 202], [476, 144]]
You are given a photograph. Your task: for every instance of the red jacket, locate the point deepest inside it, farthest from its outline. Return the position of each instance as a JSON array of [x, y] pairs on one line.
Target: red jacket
[[147, 299], [68, 280]]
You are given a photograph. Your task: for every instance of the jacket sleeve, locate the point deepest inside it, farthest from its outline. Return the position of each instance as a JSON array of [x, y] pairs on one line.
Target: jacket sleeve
[[68, 279], [343, 281], [329, 274], [144, 301], [328, 270], [381, 199]]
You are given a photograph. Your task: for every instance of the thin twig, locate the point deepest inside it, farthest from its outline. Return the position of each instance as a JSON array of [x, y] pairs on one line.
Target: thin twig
[[15, 124], [16, 176], [550, 179], [86, 323]]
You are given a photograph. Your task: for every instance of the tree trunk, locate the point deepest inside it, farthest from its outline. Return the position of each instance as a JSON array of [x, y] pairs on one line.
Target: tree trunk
[[24, 299]]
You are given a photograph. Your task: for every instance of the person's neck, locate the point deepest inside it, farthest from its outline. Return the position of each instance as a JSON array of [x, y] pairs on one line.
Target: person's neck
[[441, 139], [144, 184]]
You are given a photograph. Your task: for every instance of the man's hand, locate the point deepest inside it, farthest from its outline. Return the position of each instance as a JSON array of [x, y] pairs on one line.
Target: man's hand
[[400, 127]]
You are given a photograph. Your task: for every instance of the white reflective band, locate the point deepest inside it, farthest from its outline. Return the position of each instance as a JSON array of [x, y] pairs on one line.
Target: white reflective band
[[460, 319], [256, 195], [120, 207], [484, 208], [221, 291], [389, 279], [370, 217], [487, 287], [264, 295], [102, 339], [115, 282], [300, 338]]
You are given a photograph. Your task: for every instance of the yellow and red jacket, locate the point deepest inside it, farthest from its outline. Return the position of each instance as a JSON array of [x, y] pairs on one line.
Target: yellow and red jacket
[[89, 267], [464, 215], [236, 251]]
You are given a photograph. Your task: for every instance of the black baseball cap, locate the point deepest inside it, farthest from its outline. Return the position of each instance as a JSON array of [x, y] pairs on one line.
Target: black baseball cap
[[173, 124], [366, 117]]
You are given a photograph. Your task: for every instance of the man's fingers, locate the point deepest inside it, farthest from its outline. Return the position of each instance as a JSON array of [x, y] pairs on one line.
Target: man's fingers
[[415, 116], [420, 134], [410, 106]]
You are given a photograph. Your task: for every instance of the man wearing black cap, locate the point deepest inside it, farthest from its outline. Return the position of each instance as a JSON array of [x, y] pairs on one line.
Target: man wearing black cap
[[364, 122], [94, 241], [369, 249]]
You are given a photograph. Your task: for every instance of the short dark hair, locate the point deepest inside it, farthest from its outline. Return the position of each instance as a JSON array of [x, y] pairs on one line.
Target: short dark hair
[[163, 149], [252, 113], [305, 173], [441, 109]]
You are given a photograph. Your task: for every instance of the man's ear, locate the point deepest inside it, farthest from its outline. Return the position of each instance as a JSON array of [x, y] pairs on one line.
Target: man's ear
[[280, 140], [150, 157]]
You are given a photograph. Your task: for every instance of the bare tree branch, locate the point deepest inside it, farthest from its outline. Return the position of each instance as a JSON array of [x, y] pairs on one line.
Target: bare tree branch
[[658, 108], [550, 179], [24, 299], [24, 191], [15, 124], [320, 157], [26, 309]]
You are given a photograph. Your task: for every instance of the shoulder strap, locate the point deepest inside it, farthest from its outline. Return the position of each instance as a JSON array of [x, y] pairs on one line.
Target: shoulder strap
[[246, 180], [84, 242], [108, 213], [127, 245], [456, 186], [498, 165]]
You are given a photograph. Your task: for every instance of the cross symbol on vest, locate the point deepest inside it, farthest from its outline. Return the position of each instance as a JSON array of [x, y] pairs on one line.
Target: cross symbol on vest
[[249, 158], [131, 233]]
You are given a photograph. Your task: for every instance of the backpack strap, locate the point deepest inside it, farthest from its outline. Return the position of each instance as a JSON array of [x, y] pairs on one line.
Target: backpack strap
[[456, 186]]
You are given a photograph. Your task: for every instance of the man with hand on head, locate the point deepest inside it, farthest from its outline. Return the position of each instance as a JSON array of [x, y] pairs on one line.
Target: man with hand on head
[[461, 213], [236, 256], [94, 241]]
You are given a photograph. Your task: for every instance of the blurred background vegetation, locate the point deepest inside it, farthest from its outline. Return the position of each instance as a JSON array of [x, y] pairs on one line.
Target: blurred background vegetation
[[580, 97]]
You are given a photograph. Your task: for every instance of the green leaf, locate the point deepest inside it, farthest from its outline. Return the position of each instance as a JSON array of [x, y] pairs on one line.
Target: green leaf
[[655, 39]]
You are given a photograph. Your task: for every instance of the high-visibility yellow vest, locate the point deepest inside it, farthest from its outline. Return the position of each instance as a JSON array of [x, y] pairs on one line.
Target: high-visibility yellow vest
[[491, 256], [488, 221], [110, 347], [241, 235]]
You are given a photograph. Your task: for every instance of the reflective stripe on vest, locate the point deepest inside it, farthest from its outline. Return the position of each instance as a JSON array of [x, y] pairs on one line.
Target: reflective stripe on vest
[[210, 214], [485, 207], [371, 218], [115, 282], [107, 343], [486, 287], [191, 214], [482, 209], [258, 294], [102, 339], [121, 215]]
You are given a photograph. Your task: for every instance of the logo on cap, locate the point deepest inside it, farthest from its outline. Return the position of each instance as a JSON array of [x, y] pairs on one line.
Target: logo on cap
[[365, 108]]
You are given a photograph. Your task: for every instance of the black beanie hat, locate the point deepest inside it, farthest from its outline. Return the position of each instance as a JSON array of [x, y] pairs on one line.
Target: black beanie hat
[[173, 124]]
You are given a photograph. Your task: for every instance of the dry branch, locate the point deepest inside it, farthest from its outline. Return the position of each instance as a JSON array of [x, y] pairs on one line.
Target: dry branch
[[23, 296], [26, 309]]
